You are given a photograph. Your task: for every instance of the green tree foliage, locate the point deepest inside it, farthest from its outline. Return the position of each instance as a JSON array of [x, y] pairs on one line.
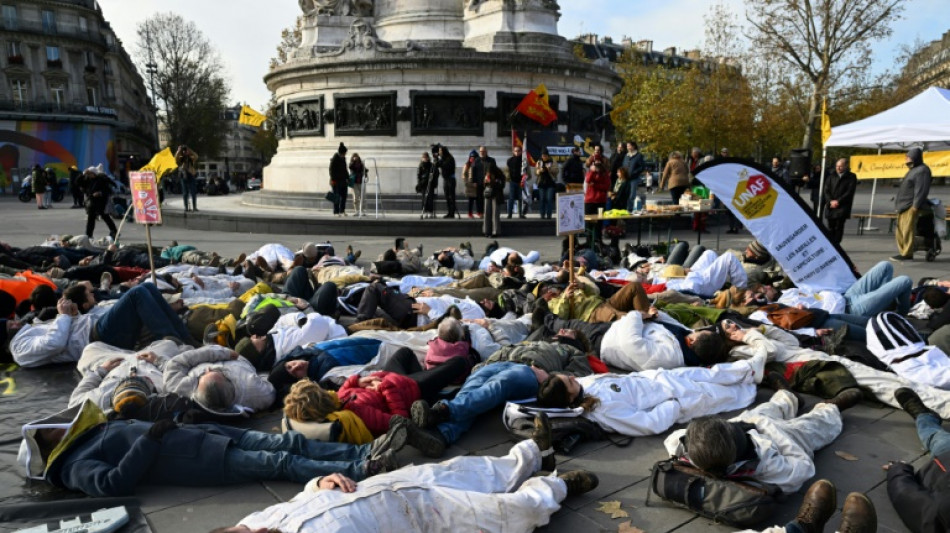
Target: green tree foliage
[[190, 88]]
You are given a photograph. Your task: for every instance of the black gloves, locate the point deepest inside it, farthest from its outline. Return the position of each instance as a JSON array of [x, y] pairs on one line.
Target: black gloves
[[160, 428]]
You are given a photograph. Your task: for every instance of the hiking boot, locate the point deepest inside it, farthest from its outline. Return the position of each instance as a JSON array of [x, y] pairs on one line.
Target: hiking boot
[[393, 440], [430, 442], [425, 416], [105, 281], [579, 481], [817, 507], [776, 381], [542, 437], [215, 260], [911, 402], [901, 258], [858, 515], [847, 398], [261, 263], [251, 271], [386, 462]]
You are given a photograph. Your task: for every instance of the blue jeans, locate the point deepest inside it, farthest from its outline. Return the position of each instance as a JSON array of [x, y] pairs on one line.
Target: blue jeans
[[857, 325], [514, 197], [290, 456], [932, 435], [877, 290], [142, 306], [546, 196], [189, 187], [489, 387]]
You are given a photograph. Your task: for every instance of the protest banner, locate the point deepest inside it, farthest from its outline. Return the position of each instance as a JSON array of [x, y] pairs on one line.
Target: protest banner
[[779, 219]]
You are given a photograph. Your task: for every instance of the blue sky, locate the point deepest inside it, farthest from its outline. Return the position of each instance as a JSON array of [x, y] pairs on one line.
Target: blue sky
[[246, 32]]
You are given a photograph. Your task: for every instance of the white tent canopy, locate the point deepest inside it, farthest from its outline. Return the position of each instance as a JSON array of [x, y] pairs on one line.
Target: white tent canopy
[[924, 121]]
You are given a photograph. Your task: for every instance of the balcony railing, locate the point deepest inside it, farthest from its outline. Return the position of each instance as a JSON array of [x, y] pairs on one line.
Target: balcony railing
[[37, 27], [54, 108]]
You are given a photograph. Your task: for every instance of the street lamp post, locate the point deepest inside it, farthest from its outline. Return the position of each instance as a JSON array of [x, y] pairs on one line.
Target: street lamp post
[[151, 68]]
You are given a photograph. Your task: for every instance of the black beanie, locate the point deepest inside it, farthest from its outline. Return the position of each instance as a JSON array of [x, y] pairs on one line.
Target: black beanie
[[280, 378], [342, 148]]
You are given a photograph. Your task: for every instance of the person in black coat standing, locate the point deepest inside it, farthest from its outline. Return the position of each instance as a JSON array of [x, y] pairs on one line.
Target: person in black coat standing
[[98, 189], [480, 170], [838, 196], [339, 174]]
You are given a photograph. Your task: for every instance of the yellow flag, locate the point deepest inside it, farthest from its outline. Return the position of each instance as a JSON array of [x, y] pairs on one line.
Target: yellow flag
[[825, 123], [251, 117], [161, 163]]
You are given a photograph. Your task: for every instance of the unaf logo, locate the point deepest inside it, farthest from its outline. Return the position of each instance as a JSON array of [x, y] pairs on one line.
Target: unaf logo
[[754, 196]]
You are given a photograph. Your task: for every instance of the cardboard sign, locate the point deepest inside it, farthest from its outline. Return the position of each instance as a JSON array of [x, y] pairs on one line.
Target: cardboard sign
[[145, 198], [570, 213]]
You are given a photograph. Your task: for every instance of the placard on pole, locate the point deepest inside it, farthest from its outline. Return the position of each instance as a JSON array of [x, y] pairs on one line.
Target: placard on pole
[[146, 206], [570, 222]]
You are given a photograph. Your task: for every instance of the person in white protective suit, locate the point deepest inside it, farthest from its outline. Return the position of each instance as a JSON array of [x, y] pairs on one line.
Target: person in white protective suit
[[769, 343], [893, 340], [707, 275], [653, 339], [857, 513], [219, 380], [650, 402], [766, 442], [469, 493], [103, 366]]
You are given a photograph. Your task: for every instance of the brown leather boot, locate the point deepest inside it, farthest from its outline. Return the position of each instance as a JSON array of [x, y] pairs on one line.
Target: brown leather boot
[[858, 515], [847, 398], [817, 506]]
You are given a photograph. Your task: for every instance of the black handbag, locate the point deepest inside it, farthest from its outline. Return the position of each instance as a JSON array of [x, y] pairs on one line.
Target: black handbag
[[332, 197]]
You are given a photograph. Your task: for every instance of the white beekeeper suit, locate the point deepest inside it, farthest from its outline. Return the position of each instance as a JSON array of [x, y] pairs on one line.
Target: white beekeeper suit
[[98, 385], [709, 273], [634, 345], [183, 371], [893, 340], [469, 493], [649, 402], [300, 329], [785, 445]]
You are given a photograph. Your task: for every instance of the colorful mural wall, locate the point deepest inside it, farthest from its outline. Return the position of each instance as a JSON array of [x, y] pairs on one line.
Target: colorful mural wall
[[58, 145]]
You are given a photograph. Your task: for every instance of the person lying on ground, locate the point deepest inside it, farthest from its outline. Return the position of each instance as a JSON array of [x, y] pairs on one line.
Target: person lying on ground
[[876, 291], [80, 321], [112, 458], [290, 331], [465, 493], [219, 380], [767, 443], [102, 367], [921, 498], [819, 504], [650, 402]]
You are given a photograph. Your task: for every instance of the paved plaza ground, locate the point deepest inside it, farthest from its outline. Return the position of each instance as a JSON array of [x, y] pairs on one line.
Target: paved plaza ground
[[872, 433]]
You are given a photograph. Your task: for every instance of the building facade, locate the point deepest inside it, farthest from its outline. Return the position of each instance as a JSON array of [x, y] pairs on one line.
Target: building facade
[[930, 67], [69, 92]]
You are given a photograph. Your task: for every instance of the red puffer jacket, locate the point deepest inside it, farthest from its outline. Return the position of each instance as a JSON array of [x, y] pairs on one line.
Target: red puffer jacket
[[393, 396], [598, 184]]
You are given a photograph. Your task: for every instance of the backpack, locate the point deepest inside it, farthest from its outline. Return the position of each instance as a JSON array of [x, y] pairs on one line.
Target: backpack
[[568, 427], [738, 502]]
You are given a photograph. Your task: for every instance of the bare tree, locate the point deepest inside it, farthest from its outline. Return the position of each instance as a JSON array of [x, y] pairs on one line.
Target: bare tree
[[826, 41], [190, 87]]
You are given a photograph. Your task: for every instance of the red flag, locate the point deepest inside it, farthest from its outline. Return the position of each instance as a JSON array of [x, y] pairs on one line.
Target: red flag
[[536, 107], [516, 143]]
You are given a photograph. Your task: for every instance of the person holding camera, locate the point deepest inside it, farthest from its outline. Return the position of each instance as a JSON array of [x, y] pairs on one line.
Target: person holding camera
[[187, 166]]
